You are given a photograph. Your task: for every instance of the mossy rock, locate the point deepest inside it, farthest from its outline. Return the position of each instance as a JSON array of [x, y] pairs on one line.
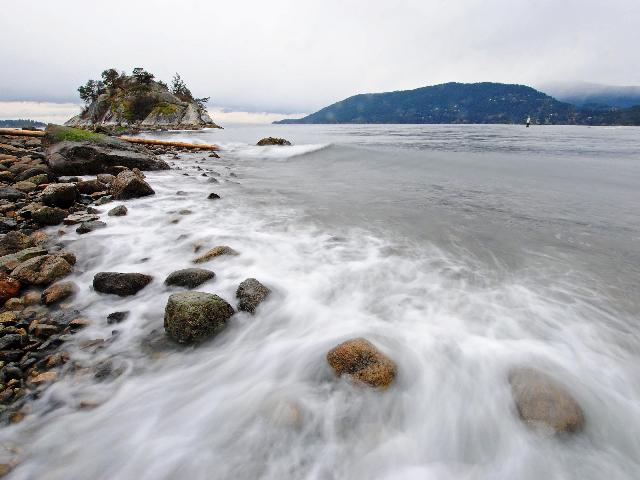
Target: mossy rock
[[192, 317]]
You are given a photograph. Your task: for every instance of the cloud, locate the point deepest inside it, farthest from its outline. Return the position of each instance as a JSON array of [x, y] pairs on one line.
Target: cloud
[[297, 56]]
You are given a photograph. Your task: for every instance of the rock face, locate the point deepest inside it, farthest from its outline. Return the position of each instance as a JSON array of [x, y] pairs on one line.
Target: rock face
[[129, 185], [44, 270], [250, 294], [273, 141], [61, 195], [192, 317], [122, 284], [215, 252], [189, 277], [360, 359], [542, 402]]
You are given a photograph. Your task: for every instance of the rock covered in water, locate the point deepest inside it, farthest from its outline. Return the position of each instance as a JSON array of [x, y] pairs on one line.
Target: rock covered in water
[[215, 252], [192, 317], [58, 291], [129, 185], [62, 195], [250, 294], [45, 269], [360, 359], [189, 277], [273, 141], [118, 211], [122, 284], [543, 402]]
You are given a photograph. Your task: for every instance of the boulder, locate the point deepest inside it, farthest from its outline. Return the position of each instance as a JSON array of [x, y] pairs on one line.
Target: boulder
[[45, 269], [543, 402], [86, 227], [13, 242], [363, 362], [189, 277], [122, 284], [129, 185], [49, 215], [11, 194], [192, 317], [273, 141], [215, 252], [61, 195], [118, 211], [250, 294], [9, 287], [58, 291]]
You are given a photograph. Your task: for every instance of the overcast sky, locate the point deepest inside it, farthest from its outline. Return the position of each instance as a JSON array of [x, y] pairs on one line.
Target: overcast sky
[[298, 56]]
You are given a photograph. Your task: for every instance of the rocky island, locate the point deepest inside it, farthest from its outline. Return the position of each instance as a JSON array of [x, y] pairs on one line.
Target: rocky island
[[119, 103]]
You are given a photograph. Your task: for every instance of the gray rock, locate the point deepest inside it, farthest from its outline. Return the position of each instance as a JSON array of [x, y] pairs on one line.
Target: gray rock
[[117, 317], [122, 284], [118, 211], [86, 227], [61, 195], [11, 194], [129, 185], [250, 294], [189, 277], [104, 200], [192, 317]]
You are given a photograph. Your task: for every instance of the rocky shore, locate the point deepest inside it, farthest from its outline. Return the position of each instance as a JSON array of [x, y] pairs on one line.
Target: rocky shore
[[41, 188]]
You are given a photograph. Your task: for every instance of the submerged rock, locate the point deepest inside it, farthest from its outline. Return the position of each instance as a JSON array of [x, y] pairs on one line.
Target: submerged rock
[[118, 211], [273, 141], [61, 195], [215, 252], [122, 284], [250, 294], [542, 402], [129, 185], [360, 359], [192, 317], [189, 277]]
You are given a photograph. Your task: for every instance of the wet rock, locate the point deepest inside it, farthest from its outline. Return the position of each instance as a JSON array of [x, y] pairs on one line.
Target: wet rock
[[189, 277], [117, 317], [273, 141], [8, 224], [46, 377], [250, 294], [122, 284], [86, 227], [13, 242], [215, 252], [39, 179], [103, 200], [76, 218], [49, 216], [543, 402], [9, 287], [58, 291], [43, 270], [9, 262], [118, 211], [24, 186], [62, 195], [88, 187], [106, 178], [192, 317], [32, 172], [129, 185], [213, 196], [360, 359], [11, 194], [13, 340]]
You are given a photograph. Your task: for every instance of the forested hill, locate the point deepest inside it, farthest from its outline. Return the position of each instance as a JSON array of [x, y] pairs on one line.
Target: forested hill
[[459, 103]]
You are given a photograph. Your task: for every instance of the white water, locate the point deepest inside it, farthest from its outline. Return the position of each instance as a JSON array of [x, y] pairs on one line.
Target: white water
[[260, 401]]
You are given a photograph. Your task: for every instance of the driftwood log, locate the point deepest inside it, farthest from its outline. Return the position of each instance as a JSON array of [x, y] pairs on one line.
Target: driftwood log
[[143, 141]]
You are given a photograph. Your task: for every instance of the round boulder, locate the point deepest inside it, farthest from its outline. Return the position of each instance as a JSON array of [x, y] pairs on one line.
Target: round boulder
[[360, 359], [122, 284], [273, 141], [61, 195], [192, 317], [189, 277], [542, 402], [250, 294]]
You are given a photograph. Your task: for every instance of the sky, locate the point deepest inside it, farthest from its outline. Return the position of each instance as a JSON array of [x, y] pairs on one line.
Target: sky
[[262, 60]]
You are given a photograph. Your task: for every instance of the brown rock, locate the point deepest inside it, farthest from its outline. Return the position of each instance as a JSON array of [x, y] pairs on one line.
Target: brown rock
[[58, 291], [9, 287], [45, 377], [215, 252], [15, 241], [360, 359], [42, 270], [129, 185]]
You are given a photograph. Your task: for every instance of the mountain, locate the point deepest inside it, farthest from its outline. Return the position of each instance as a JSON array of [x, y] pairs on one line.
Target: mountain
[[448, 103], [592, 95], [119, 102], [21, 123]]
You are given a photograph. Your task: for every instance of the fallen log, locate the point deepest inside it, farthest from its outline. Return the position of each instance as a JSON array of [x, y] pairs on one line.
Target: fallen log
[[165, 143], [21, 133]]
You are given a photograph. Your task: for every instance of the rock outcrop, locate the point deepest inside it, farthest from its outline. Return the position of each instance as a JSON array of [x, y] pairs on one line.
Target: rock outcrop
[[363, 362]]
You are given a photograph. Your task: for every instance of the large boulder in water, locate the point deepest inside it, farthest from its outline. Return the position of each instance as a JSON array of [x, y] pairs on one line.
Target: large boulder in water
[[192, 317], [543, 402], [250, 294], [363, 362], [129, 184], [122, 284], [74, 151], [273, 141]]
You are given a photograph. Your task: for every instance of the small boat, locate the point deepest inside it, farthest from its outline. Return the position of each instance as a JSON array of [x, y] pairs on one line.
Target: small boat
[[528, 122]]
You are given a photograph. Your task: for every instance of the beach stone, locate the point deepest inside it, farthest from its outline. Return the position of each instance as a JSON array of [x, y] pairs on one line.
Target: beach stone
[[25, 186], [106, 178], [9, 287], [118, 211], [250, 294], [49, 216], [58, 291], [192, 317], [273, 141], [213, 196], [86, 227], [103, 200], [11, 261], [215, 252], [88, 187], [129, 185], [43, 270], [76, 218], [61, 195], [39, 179], [11, 194], [122, 284], [189, 277], [117, 317], [360, 359], [13, 242], [543, 402], [32, 172]]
